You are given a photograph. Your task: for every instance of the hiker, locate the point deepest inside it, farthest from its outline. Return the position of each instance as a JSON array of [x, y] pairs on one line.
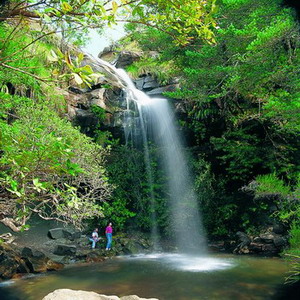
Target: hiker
[[95, 238], [108, 233]]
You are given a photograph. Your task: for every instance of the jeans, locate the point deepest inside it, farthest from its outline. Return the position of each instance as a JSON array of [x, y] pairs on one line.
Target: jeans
[[109, 240], [94, 241]]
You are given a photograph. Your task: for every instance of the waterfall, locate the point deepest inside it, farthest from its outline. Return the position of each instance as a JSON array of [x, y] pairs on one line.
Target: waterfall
[[156, 114]]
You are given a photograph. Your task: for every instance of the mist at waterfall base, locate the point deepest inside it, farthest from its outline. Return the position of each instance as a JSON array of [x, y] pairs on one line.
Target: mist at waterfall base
[[156, 122]]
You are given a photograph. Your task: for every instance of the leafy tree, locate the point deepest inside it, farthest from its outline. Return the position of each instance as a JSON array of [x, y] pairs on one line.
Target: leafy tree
[[73, 18], [48, 167], [184, 17]]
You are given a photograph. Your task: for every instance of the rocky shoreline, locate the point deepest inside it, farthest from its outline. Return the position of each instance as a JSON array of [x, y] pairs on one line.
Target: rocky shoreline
[[62, 246]]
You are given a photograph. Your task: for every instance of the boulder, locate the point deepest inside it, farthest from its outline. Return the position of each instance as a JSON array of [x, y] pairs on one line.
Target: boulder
[[108, 53], [71, 112], [267, 237], [65, 250], [97, 97], [150, 85], [11, 262], [37, 261], [76, 99], [59, 233], [269, 249], [160, 90], [217, 245], [257, 239], [33, 253], [75, 235], [85, 118], [126, 58], [139, 83], [130, 246], [280, 241], [255, 247], [67, 294], [278, 229], [244, 242]]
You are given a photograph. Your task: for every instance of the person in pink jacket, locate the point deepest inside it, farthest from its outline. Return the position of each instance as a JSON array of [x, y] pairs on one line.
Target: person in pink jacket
[[108, 233]]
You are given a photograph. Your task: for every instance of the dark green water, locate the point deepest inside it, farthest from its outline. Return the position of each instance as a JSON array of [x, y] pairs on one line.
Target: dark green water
[[167, 277]]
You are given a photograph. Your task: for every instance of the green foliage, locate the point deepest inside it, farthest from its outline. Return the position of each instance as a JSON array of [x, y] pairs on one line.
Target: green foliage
[[295, 239], [32, 60], [99, 112], [271, 184], [269, 190], [101, 137], [183, 17], [293, 254], [48, 167], [82, 75], [132, 193], [242, 102], [162, 71], [73, 19]]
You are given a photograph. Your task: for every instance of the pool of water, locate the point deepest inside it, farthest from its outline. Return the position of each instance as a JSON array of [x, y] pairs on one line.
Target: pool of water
[[164, 276]]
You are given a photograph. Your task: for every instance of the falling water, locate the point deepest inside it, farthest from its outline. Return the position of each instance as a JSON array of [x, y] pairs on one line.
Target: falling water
[[185, 217], [137, 98]]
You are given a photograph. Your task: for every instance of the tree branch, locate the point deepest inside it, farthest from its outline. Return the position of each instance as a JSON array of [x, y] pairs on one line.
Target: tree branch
[[10, 223], [26, 73]]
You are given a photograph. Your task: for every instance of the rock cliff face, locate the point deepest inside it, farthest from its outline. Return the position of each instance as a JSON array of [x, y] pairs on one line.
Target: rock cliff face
[[107, 94]]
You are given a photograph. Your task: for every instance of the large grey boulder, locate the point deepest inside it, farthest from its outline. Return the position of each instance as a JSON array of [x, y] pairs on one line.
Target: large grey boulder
[[97, 97], [67, 294], [33, 253]]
